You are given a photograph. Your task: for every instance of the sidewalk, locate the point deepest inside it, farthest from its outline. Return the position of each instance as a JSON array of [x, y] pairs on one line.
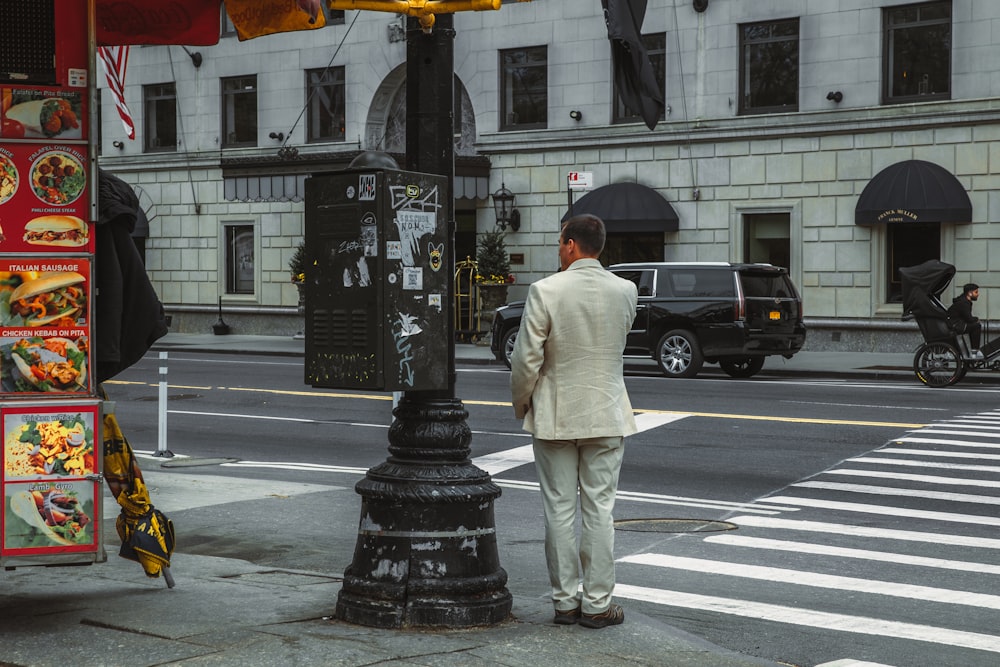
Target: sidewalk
[[233, 611]]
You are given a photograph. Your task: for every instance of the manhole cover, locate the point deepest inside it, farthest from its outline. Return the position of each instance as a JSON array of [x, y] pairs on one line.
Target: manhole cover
[[673, 525], [173, 397], [190, 463]]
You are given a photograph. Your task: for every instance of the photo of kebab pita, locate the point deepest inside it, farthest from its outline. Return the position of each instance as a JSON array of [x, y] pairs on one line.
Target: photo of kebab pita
[[49, 364], [51, 117], [56, 298], [65, 231]]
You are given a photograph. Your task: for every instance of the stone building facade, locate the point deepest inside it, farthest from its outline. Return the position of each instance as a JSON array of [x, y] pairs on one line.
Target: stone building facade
[[779, 113]]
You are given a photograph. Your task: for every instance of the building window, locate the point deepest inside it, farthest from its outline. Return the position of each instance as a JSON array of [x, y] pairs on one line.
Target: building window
[[334, 16], [769, 67], [228, 29], [625, 247], [656, 47], [325, 103], [767, 239], [524, 95], [239, 240], [917, 57], [239, 111], [909, 244], [159, 106]]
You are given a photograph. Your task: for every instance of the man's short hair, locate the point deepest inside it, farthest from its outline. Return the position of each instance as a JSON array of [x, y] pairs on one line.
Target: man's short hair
[[969, 287], [588, 232]]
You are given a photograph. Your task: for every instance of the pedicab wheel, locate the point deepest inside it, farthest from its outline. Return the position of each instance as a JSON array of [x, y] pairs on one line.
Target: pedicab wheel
[[938, 364]]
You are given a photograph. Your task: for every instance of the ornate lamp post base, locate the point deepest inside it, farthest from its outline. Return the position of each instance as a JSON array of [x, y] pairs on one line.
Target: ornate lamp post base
[[426, 553]]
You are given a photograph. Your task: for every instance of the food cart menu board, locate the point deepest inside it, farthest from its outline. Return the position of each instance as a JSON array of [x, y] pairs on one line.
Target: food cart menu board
[[45, 326], [49, 505]]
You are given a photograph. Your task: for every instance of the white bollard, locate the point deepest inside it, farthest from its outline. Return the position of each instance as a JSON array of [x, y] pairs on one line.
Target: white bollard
[[161, 439]]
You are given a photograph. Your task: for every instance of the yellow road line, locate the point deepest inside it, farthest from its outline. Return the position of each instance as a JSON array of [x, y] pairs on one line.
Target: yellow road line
[[504, 404]]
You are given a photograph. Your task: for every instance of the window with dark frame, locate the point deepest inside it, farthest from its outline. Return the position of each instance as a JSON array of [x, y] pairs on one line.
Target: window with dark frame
[[909, 244], [239, 239], [227, 28], [239, 111], [524, 95], [916, 57], [656, 48], [767, 238], [769, 67], [159, 106], [325, 90]]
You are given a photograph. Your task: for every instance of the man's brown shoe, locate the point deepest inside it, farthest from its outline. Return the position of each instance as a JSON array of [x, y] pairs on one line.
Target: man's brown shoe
[[567, 617], [613, 615]]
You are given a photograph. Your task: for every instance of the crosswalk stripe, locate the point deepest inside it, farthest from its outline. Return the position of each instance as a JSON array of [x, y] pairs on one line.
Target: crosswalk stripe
[[893, 491], [957, 443], [941, 431], [888, 511], [902, 476], [727, 539], [817, 580], [979, 456], [925, 464], [866, 531], [812, 618]]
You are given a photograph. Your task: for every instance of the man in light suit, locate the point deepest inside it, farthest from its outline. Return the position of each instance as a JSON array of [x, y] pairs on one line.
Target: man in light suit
[[567, 384]]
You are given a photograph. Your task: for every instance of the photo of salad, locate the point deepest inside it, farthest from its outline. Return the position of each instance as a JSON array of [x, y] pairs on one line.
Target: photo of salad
[[58, 178], [8, 179]]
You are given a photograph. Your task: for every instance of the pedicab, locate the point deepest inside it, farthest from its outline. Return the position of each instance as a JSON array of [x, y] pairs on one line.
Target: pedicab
[[945, 356]]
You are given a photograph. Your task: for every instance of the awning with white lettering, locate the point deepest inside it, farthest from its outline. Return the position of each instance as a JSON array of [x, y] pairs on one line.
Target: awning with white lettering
[[913, 191]]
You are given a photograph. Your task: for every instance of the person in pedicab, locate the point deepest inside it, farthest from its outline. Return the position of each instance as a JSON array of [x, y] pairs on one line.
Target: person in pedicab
[[963, 321]]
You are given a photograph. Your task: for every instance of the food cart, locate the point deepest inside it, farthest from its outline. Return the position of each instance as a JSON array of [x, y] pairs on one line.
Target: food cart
[[50, 414]]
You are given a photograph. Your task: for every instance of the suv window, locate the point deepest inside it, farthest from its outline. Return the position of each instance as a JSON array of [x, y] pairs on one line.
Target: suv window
[[760, 285], [643, 279], [700, 282]]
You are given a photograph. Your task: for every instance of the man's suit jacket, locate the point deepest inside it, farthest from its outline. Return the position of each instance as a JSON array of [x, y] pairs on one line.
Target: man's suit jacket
[[566, 369]]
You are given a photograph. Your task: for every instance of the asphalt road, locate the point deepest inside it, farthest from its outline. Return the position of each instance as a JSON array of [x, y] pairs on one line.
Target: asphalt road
[[797, 520]]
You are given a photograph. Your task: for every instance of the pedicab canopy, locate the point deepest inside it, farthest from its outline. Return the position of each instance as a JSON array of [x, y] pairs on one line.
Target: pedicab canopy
[[913, 191], [923, 285]]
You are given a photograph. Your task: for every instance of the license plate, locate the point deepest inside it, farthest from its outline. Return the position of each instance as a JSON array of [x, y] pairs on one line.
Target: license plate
[[775, 315]]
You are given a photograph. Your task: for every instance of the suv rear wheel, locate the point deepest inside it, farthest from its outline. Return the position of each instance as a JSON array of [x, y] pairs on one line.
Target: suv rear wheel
[[507, 344], [742, 368], [678, 354]]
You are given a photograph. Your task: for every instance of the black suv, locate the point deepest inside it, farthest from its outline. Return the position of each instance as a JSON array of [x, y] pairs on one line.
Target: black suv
[[698, 312]]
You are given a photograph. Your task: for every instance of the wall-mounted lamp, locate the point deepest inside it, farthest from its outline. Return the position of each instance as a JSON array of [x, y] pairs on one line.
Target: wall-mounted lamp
[[835, 96], [195, 57], [277, 136], [700, 5], [118, 144], [503, 204], [576, 115]]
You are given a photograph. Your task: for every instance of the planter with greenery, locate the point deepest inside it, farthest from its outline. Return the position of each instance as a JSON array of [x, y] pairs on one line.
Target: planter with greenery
[[492, 273]]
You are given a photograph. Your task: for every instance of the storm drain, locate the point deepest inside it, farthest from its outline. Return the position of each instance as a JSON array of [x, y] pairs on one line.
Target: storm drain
[[673, 525], [174, 397]]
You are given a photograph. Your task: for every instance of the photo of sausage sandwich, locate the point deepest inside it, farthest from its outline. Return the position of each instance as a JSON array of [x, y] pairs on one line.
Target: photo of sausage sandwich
[[56, 298]]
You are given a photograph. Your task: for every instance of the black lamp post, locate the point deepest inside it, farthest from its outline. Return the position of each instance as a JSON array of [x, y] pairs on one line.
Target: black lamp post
[[426, 553]]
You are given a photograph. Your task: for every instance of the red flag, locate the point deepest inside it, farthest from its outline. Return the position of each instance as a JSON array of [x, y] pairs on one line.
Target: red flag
[[191, 22], [114, 60]]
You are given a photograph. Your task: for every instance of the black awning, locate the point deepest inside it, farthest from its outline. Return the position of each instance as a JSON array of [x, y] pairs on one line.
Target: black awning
[[628, 207], [913, 191]]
